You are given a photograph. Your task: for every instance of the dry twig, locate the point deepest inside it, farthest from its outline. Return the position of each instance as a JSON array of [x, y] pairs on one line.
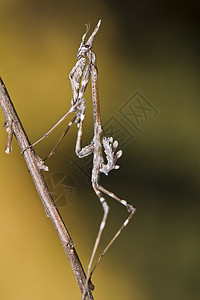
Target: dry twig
[[35, 164]]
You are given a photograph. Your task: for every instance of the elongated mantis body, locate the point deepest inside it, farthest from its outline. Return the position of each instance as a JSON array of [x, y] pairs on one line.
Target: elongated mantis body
[[84, 70]]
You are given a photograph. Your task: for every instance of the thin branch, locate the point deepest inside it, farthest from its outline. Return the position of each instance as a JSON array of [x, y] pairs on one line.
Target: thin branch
[[35, 164]]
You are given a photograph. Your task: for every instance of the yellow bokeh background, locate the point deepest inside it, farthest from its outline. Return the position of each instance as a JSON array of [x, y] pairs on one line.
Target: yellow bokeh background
[[145, 47]]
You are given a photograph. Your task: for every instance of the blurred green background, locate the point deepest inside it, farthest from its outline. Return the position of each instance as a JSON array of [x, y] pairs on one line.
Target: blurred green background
[[149, 47]]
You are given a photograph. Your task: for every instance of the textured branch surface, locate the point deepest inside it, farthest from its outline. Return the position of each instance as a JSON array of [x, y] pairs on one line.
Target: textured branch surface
[[35, 164]]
